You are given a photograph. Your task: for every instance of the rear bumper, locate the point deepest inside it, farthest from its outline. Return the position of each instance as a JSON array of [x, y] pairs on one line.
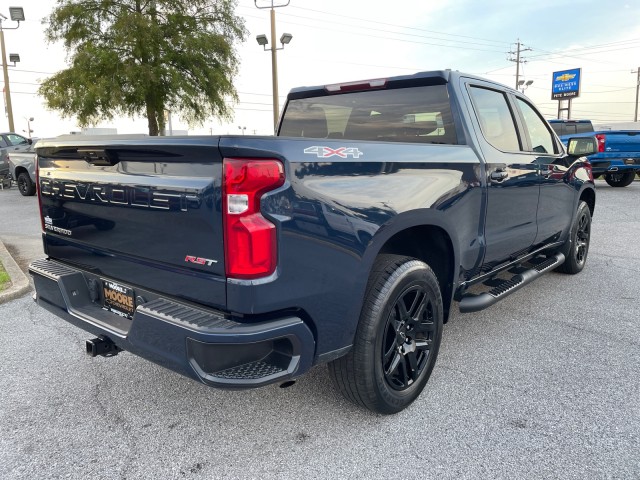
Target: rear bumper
[[614, 164], [200, 343]]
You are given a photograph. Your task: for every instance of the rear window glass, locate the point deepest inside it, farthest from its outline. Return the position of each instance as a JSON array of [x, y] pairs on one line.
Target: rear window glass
[[562, 128], [416, 115]]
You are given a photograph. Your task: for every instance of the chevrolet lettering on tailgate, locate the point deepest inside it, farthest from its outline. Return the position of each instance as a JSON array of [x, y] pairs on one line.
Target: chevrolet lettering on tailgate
[[118, 195]]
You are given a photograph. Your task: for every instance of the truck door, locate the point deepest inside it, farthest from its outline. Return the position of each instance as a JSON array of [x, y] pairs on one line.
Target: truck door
[[557, 195], [512, 177]]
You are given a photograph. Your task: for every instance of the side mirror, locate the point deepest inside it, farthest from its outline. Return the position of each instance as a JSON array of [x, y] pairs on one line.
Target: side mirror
[[29, 141], [579, 146]]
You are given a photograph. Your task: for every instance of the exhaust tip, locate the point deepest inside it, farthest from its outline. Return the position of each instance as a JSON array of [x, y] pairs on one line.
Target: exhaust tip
[[287, 384]]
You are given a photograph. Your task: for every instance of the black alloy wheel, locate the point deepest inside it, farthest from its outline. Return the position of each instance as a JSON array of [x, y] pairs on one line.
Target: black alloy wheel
[[26, 187], [408, 338], [397, 338], [582, 238], [576, 248]]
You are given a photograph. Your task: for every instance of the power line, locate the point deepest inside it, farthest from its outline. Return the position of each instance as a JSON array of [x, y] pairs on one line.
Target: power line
[[324, 28], [590, 47], [342, 31], [333, 22], [360, 19], [32, 71]]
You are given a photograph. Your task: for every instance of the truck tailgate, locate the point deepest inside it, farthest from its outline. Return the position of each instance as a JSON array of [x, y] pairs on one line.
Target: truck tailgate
[[143, 212], [623, 141]]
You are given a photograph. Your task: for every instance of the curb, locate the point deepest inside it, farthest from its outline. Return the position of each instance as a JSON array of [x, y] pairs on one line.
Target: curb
[[19, 281]]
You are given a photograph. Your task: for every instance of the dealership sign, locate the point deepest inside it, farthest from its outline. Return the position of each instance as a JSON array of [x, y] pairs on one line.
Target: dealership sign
[[566, 84]]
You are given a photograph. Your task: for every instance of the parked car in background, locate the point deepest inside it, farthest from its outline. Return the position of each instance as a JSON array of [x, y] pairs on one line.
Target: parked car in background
[[10, 142], [22, 168], [618, 156]]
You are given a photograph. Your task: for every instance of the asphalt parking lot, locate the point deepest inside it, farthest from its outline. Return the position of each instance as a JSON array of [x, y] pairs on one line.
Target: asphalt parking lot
[[543, 385]]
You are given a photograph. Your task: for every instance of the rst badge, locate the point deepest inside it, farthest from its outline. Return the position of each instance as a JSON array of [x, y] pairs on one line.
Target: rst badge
[[199, 260], [327, 152]]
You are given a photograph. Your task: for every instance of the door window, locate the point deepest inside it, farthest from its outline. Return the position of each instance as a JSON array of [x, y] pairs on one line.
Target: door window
[[496, 120], [541, 138], [16, 139]]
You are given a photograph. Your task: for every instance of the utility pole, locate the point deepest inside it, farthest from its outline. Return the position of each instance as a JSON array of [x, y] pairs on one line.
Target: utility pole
[[7, 91], [635, 117], [519, 48]]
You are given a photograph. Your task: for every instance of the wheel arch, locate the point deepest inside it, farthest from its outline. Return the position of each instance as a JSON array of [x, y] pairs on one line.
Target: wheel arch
[[427, 236], [18, 170], [588, 195]]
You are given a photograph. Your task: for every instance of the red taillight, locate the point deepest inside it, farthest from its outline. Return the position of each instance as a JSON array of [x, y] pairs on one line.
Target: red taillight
[[249, 238], [601, 138]]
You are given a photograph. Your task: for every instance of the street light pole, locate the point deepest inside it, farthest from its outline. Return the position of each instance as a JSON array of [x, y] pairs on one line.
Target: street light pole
[[17, 15], [262, 40], [274, 68]]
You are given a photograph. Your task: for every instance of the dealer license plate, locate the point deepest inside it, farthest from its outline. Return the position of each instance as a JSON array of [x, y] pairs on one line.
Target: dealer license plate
[[118, 299]]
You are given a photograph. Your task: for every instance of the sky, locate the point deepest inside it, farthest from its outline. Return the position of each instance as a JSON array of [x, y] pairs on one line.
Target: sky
[[338, 41]]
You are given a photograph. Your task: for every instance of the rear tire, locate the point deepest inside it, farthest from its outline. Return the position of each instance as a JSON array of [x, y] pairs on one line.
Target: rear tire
[[397, 339], [25, 185], [620, 179], [576, 247]]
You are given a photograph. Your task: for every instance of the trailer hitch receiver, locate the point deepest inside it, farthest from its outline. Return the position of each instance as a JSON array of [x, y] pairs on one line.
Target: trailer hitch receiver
[[102, 346]]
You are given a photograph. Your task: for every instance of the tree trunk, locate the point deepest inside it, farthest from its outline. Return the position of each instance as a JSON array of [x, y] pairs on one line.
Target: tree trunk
[[152, 120]]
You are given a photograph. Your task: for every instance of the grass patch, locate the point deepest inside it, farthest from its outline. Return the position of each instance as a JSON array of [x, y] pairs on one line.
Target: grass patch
[[5, 281]]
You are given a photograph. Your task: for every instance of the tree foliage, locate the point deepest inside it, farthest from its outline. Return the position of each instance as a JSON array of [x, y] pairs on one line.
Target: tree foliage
[[142, 57]]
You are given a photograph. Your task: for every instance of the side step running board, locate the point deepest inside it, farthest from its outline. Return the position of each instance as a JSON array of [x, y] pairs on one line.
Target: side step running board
[[474, 302]]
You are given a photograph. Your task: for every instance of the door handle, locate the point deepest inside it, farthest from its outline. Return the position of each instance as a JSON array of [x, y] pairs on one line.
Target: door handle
[[499, 175], [550, 170]]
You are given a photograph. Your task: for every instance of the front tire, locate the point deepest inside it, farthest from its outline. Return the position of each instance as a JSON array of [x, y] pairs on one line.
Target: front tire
[[576, 247], [620, 179], [25, 185], [397, 339]]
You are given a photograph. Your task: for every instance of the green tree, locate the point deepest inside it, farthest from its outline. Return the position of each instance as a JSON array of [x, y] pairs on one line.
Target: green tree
[[142, 57]]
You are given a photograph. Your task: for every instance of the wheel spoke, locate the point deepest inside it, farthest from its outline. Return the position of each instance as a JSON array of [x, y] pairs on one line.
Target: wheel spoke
[[389, 353], [402, 309], [423, 344], [417, 307], [424, 327], [394, 364], [412, 360], [405, 371], [583, 221]]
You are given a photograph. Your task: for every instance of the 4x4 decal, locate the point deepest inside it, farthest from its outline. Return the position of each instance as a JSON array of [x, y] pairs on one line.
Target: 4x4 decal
[[326, 152]]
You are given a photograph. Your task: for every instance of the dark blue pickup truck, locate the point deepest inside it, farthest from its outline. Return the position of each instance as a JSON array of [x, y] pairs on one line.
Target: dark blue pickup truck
[[241, 261]]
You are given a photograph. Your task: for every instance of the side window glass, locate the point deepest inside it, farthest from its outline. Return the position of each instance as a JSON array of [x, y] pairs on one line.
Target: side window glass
[[17, 139], [496, 120], [541, 138], [3, 143]]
